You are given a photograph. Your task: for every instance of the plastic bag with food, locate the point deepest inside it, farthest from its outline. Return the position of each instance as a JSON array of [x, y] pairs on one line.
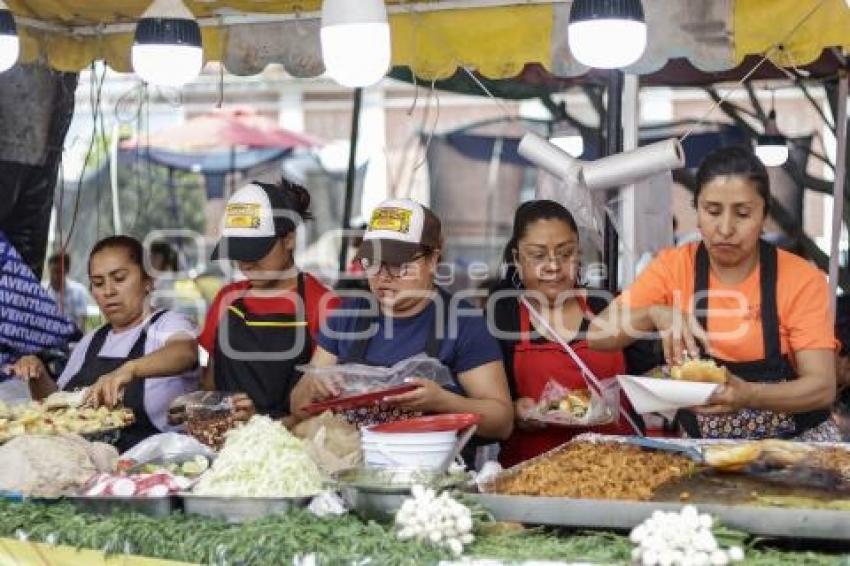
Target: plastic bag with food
[[358, 379], [208, 415], [331, 442], [559, 405], [175, 452]]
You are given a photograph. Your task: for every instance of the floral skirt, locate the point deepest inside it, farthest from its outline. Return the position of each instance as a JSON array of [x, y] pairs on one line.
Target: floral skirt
[[825, 432], [378, 414]]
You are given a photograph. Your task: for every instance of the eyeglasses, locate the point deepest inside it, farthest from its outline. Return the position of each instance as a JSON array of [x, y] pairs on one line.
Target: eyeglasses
[[372, 269], [541, 258]]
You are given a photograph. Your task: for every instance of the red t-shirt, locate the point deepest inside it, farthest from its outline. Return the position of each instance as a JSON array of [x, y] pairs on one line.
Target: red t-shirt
[[319, 301]]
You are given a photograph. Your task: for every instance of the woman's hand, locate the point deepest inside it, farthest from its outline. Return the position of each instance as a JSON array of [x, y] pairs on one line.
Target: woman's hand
[[428, 397], [522, 409], [729, 397], [109, 388], [679, 333], [322, 387], [29, 368], [243, 407]]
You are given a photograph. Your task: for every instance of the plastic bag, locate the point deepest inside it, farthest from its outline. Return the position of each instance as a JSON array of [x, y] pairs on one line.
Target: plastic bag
[[14, 392], [166, 448], [331, 442], [561, 406], [357, 379], [208, 415]]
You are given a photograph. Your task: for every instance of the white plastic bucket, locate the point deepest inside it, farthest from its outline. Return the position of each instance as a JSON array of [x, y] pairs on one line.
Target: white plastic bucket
[[415, 438], [407, 457]]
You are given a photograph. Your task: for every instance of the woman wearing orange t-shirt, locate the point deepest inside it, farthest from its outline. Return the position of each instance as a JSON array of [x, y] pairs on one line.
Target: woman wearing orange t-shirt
[[762, 313]]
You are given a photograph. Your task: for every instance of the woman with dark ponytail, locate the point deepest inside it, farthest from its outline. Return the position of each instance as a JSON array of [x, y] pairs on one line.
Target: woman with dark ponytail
[[260, 329], [541, 270]]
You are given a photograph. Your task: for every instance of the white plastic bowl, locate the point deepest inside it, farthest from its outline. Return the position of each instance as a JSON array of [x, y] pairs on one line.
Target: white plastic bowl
[[415, 438], [388, 458]]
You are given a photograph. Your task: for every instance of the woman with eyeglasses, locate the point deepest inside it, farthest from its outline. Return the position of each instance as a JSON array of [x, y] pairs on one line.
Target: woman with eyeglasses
[[538, 296], [408, 315]]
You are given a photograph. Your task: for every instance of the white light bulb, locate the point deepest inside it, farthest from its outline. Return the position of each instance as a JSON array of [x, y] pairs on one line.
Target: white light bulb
[[772, 155], [607, 43], [10, 49], [355, 39], [167, 45], [167, 65], [574, 145]]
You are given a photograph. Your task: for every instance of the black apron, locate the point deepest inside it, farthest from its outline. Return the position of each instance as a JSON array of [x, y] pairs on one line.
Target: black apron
[[95, 365], [268, 382], [775, 367]]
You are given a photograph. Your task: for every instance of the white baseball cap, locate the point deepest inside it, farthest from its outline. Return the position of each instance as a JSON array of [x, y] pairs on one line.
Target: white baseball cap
[[254, 218], [398, 230]]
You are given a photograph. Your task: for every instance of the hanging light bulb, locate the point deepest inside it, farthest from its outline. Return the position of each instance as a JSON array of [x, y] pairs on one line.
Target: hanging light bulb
[[10, 45], [167, 49], [355, 39], [771, 146], [607, 34]]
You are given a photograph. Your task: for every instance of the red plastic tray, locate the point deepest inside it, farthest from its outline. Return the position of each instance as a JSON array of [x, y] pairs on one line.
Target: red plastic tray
[[430, 423], [356, 401]]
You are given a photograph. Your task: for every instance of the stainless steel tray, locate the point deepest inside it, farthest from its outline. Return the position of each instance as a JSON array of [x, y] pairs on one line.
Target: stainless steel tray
[[761, 520], [611, 514], [239, 509], [106, 505]]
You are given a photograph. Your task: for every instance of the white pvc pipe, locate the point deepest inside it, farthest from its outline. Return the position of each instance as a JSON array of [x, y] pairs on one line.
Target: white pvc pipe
[[113, 180], [838, 189]]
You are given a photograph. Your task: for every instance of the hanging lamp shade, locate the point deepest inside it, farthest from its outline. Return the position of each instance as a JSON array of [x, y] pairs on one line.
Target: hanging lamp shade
[[355, 38], [167, 49], [607, 34], [772, 146]]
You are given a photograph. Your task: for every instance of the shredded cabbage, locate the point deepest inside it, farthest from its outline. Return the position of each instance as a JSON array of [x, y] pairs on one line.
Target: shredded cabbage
[[261, 459]]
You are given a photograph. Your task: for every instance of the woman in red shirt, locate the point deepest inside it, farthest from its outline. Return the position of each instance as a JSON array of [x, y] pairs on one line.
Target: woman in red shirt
[[259, 330], [543, 256]]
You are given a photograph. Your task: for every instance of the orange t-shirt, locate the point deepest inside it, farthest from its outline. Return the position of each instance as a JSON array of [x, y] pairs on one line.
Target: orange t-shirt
[[734, 318]]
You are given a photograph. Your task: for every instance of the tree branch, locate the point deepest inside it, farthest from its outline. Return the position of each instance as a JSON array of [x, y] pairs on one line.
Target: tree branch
[[754, 101]]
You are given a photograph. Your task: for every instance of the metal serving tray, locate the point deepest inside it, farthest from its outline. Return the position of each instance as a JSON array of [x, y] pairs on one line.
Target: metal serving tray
[[612, 514], [761, 520], [106, 504], [239, 509]]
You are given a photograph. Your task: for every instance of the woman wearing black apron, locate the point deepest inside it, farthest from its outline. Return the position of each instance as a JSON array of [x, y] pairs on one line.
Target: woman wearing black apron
[[406, 314], [139, 358], [260, 329], [760, 312]]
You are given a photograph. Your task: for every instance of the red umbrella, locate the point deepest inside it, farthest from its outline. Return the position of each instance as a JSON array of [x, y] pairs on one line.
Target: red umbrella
[[223, 129]]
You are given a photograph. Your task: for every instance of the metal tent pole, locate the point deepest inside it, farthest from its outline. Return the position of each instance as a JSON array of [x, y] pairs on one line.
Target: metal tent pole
[[613, 145], [838, 187], [350, 177]]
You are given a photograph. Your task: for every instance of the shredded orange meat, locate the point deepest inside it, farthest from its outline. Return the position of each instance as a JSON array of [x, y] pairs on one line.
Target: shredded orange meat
[[586, 470]]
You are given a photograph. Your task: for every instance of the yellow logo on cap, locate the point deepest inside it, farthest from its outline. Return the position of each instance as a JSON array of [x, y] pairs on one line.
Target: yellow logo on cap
[[392, 219], [242, 215]]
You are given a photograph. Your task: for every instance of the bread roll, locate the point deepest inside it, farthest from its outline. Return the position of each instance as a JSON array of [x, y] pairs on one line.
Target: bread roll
[[699, 370]]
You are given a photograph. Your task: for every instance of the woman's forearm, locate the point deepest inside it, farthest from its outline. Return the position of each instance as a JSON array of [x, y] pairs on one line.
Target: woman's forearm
[[178, 355], [797, 396], [497, 417], [42, 386]]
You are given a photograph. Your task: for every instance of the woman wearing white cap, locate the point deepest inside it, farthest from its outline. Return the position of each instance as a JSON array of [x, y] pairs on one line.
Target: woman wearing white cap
[[259, 329], [399, 253]]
